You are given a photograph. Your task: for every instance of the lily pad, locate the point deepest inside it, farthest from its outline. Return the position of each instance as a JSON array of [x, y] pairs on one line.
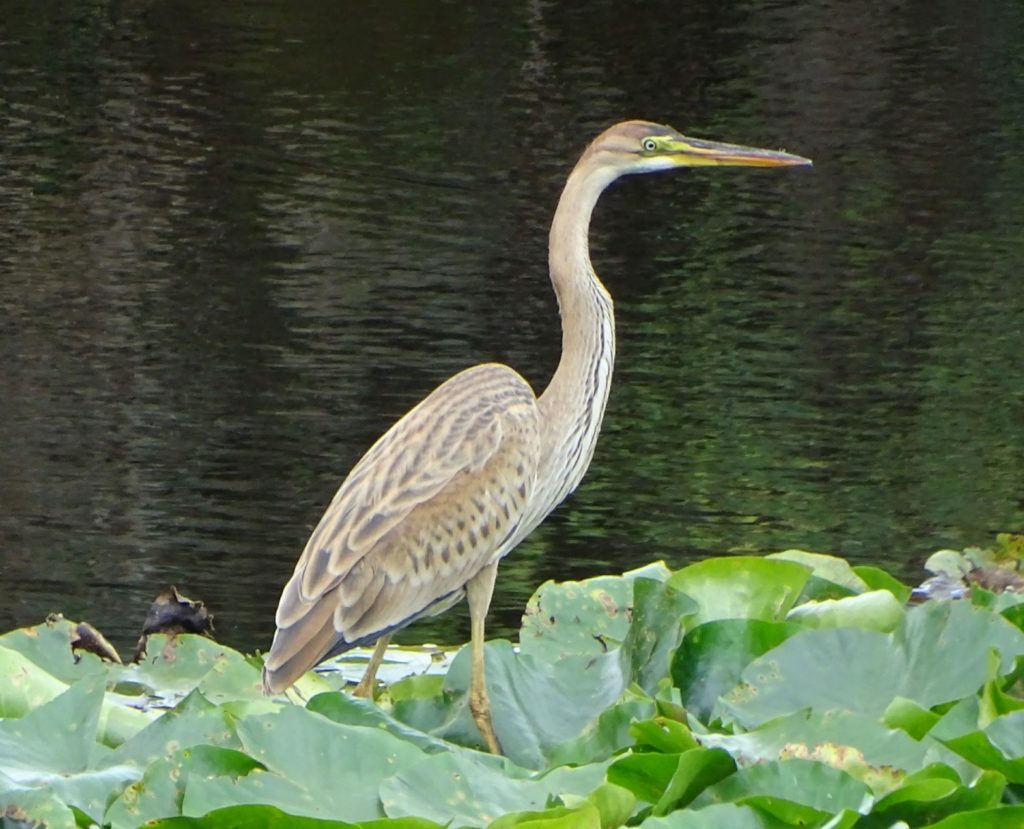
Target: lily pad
[[718, 816], [161, 791], [582, 617], [857, 744], [874, 610], [712, 657], [54, 749], [314, 767], [537, 705], [830, 568], [655, 632], [877, 579], [270, 817], [938, 655], [741, 587], [466, 790], [795, 791]]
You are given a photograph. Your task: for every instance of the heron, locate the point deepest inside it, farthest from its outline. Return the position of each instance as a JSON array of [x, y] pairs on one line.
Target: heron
[[427, 514]]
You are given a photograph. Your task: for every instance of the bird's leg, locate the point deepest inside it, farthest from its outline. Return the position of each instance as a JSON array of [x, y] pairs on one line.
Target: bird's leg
[[478, 594], [365, 686]]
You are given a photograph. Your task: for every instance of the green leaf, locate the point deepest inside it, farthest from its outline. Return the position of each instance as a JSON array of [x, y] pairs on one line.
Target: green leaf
[[584, 816], [1000, 817], [193, 721], [994, 700], [718, 816], [28, 686], [161, 790], [712, 657], [877, 579], [48, 646], [645, 775], [1000, 747], [938, 655], [910, 717], [875, 610], [351, 710], [614, 804], [655, 631], [936, 792], [581, 618], [608, 734], [538, 705], [663, 734], [741, 587], [270, 817], [314, 767], [830, 568], [857, 744], [697, 769], [178, 664], [34, 807], [791, 790], [54, 748], [465, 788]]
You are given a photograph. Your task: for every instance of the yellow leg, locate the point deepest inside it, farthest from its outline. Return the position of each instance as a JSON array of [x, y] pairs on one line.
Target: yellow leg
[[366, 684], [478, 594]]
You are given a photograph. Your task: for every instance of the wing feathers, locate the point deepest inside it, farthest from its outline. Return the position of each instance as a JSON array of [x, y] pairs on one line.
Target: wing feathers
[[437, 497]]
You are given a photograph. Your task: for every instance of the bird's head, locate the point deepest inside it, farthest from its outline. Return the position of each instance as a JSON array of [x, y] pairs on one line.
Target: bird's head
[[643, 147]]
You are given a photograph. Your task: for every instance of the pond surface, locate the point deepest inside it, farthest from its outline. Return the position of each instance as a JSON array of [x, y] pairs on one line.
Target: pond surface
[[237, 241]]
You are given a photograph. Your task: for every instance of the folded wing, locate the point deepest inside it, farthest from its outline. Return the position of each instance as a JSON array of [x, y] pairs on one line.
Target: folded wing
[[443, 492]]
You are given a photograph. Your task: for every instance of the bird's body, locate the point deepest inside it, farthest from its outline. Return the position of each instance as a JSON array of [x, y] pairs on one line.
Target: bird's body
[[459, 470], [429, 511]]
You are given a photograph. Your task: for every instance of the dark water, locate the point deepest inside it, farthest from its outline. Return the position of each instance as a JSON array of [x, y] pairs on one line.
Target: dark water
[[238, 240]]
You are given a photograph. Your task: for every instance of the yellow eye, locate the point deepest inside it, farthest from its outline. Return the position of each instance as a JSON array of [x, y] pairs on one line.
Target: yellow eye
[[649, 145]]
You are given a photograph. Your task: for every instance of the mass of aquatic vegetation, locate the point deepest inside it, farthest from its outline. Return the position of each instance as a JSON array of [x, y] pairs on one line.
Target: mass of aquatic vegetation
[[788, 690]]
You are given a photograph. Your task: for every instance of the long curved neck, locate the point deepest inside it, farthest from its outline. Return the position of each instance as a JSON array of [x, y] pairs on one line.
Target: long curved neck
[[573, 404]]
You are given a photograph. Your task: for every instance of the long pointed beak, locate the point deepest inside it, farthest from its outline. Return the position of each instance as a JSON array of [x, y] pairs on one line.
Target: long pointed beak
[[692, 152]]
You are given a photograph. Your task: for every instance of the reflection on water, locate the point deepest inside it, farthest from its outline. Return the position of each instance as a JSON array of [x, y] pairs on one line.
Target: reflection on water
[[236, 244]]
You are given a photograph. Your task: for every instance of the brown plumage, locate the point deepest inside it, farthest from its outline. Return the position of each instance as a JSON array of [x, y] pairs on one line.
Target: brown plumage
[[426, 515], [426, 508]]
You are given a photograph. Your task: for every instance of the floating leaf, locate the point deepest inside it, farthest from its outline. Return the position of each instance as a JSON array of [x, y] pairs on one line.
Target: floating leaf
[[32, 807], [829, 568], [854, 743], [907, 715], [645, 775], [875, 610], [1002, 817], [606, 735], [697, 769], [655, 632], [270, 817], [350, 710], [999, 747], [792, 790], [936, 792], [718, 816], [194, 721], [54, 748], [614, 804], [48, 646], [741, 587], [877, 579], [314, 767], [582, 617], [584, 816], [538, 705], [938, 655], [663, 734], [467, 789], [712, 657]]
